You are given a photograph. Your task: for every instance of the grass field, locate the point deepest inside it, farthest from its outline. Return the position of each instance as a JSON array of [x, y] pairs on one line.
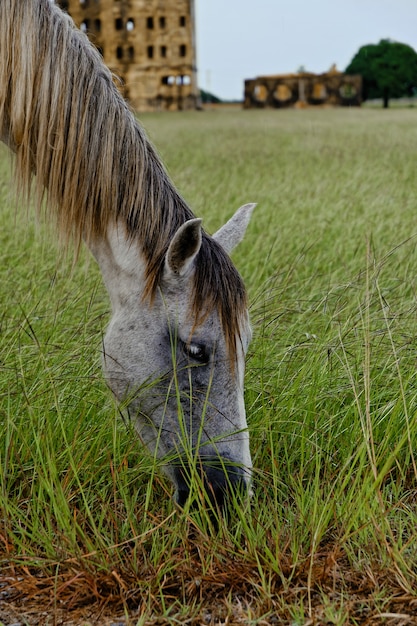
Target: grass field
[[87, 527]]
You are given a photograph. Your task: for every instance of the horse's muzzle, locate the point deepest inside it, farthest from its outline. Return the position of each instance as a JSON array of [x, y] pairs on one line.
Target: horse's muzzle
[[220, 479]]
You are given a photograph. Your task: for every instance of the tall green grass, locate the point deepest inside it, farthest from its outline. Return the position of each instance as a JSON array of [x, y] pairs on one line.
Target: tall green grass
[[330, 261]]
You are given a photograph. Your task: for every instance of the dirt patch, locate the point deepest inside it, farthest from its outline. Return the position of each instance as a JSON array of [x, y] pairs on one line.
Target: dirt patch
[[327, 591]]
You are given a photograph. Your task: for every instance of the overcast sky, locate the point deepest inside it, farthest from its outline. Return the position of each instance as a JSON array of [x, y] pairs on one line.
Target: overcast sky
[[238, 39]]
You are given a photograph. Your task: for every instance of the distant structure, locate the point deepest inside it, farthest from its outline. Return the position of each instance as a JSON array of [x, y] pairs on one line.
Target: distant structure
[[149, 44], [303, 89]]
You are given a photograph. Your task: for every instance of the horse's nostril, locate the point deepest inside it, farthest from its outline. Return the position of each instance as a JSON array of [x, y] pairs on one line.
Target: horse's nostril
[[220, 479]]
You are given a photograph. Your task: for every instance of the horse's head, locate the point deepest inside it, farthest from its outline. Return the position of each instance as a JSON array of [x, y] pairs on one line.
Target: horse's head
[[177, 363], [174, 351]]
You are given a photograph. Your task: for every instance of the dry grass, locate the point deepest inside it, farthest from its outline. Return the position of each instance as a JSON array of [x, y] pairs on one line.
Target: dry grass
[[325, 590]]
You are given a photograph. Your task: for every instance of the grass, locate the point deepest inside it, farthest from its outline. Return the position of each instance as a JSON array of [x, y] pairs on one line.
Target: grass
[[87, 527]]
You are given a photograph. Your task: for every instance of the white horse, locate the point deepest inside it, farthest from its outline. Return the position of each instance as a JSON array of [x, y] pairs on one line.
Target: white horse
[[175, 347]]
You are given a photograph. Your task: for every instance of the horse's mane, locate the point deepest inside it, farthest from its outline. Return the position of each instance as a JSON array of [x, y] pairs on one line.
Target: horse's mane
[[64, 118]]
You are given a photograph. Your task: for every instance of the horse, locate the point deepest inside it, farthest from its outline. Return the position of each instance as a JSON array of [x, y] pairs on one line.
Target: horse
[[174, 350]]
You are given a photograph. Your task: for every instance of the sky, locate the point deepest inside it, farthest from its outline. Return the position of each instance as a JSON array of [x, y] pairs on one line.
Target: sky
[[238, 39]]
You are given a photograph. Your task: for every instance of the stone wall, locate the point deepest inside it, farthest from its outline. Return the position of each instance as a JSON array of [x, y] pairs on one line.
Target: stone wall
[[149, 44], [287, 90]]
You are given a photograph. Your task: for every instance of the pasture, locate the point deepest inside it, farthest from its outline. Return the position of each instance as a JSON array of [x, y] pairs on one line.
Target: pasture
[[87, 526]]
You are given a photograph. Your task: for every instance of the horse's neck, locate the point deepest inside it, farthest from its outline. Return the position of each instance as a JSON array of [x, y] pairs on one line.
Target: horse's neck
[[121, 264]]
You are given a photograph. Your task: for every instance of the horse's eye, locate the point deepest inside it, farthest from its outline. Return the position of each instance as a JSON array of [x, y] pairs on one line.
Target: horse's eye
[[196, 352]]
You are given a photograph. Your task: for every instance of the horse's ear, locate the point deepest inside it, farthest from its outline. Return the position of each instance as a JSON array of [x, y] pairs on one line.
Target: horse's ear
[[183, 248], [233, 231]]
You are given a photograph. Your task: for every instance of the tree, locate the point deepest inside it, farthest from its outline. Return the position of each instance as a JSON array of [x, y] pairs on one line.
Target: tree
[[208, 98], [388, 69]]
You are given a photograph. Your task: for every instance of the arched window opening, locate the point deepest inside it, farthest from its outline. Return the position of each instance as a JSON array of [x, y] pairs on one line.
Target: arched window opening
[[149, 23], [130, 24], [118, 23], [319, 91], [282, 93], [119, 52], [260, 93], [183, 50], [150, 52], [348, 91], [163, 52]]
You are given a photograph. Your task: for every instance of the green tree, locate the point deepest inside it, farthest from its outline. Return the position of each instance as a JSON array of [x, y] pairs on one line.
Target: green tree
[[388, 69], [207, 97]]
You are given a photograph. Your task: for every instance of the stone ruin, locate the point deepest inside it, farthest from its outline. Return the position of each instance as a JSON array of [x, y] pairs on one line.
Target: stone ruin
[[332, 88], [148, 44]]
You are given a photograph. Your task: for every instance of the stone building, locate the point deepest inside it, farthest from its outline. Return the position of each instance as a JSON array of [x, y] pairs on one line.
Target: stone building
[[303, 89], [149, 44]]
